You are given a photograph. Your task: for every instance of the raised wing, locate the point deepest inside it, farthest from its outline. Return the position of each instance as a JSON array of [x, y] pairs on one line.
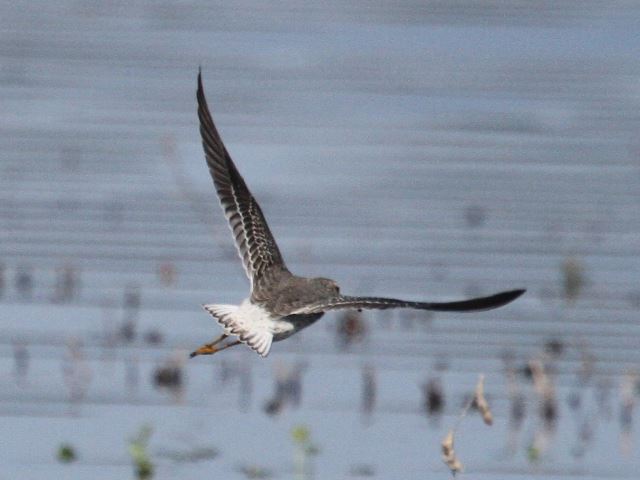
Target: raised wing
[[379, 303], [256, 246]]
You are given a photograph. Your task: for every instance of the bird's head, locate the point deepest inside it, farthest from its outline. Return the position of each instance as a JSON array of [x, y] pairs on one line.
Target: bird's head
[[327, 285]]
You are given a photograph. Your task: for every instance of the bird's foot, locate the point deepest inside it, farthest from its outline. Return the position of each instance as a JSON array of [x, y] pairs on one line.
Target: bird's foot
[[210, 349], [207, 349]]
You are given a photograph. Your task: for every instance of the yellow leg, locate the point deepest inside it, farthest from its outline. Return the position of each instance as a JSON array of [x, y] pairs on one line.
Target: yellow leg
[[229, 345]]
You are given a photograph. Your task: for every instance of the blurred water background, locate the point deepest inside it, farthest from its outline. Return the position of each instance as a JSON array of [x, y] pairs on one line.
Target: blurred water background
[[423, 150]]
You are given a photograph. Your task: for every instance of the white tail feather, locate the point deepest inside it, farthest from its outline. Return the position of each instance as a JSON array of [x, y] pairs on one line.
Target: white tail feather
[[230, 317], [224, 316], [259, 341]]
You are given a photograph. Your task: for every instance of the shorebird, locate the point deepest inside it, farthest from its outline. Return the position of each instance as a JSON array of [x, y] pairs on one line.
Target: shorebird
[[281, 303]]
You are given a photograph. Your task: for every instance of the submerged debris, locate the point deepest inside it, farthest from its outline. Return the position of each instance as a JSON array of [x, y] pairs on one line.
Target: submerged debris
[[351, 329], [433, 398], [362, 470], [573, 278], [481, 402], [170, 377], [288, 388], [191, 455], [449, 454], [368, 392], [255, 471]]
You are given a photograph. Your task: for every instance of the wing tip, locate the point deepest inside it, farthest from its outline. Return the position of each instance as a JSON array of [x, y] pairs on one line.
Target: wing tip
[[513, 294], [200, 87], [504, 298], [496, 300]]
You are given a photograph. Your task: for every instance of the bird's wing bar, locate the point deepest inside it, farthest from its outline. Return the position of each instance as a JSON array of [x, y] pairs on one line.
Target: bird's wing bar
[[379, 303], [254, 241]]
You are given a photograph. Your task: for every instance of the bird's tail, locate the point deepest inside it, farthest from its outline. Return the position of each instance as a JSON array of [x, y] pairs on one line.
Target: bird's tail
[[226, 315]]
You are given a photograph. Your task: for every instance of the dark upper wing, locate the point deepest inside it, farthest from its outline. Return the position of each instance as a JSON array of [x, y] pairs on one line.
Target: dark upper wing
[[472, 305], [256, 246]]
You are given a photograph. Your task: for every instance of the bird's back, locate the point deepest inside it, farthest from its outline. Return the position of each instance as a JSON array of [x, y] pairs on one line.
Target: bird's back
[[286, 293]]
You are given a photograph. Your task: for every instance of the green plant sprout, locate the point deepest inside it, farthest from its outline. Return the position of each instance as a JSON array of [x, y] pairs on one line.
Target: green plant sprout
[[138, 449], [66, 453], [304, 450]]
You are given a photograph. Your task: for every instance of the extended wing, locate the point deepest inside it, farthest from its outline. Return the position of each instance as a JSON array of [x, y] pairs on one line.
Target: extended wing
[[254, 241], [380, 303]]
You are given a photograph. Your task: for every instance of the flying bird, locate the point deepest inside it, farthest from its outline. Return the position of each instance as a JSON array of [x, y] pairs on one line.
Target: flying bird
[[281, 303]]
